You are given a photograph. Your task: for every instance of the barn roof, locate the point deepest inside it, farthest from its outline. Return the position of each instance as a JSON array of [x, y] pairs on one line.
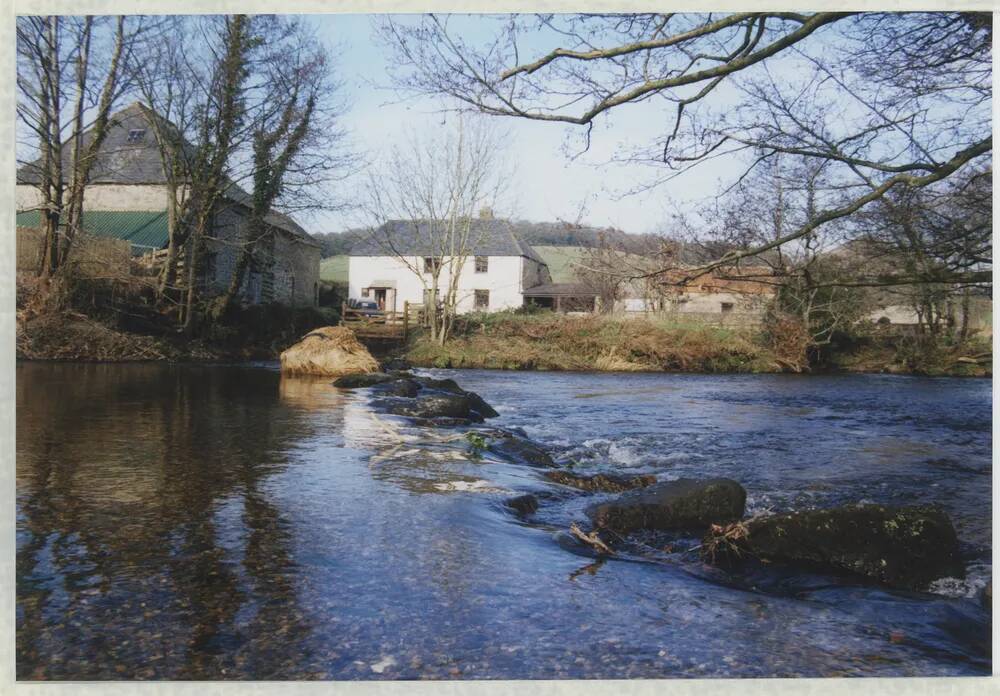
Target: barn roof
[[487, 237], [140, 228]]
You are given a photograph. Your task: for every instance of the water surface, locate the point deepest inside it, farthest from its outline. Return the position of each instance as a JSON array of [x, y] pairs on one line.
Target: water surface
[[192, 522]]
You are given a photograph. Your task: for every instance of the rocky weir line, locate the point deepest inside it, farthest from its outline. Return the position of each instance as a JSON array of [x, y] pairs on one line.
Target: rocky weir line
[[905, 547]]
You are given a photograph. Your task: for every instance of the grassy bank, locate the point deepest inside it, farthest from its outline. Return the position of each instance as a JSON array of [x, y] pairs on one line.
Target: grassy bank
[[547, 341]]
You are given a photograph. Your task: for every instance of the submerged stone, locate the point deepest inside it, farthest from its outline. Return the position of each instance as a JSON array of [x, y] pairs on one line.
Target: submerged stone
[[680, 504], [904, 547], [607, 483], [523, 504]]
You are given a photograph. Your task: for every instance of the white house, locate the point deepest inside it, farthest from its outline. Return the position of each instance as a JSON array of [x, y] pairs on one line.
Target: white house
[[496, 273]]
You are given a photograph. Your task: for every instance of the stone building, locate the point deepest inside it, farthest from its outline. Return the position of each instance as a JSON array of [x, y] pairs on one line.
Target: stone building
[[126, 198]]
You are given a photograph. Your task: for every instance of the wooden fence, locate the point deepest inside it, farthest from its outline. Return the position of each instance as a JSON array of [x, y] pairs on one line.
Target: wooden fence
[[383, 325]]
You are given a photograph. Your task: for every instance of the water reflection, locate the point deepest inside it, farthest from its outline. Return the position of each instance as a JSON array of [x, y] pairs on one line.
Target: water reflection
[[122, 475]]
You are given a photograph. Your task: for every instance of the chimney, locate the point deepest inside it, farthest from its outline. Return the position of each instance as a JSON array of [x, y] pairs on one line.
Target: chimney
[[486, 213]]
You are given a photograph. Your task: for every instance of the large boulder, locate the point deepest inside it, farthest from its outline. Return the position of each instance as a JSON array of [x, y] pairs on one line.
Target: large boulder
[[517, 449], [606, 483], [397, 387], [905, 547], [680, 504], [450, 386], [433, 406], [330, 351], [363, 380]]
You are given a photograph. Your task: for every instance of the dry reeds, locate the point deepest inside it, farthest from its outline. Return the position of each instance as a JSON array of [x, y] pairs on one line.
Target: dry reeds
[[329, 351]]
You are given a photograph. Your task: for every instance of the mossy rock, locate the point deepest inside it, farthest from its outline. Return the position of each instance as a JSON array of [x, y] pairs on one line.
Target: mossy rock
[[680, 504], [904, 547]]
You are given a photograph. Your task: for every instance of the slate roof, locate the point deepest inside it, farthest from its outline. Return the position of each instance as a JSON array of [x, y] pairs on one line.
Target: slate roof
[[489, 237], [126, 157], [141, 228]]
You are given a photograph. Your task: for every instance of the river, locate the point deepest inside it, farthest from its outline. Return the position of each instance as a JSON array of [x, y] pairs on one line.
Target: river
[[211, 522]]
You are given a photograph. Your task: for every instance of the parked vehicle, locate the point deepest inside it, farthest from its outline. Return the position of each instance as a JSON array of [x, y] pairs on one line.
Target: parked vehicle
[[367, 307]]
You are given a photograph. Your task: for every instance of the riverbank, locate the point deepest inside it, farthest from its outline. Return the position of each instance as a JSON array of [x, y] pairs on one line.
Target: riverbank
[[257, 334], [559, 342], [505, 340]]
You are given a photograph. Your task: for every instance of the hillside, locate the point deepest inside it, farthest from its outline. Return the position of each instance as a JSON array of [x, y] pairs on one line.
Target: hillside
[[564, 260], [554, 234]]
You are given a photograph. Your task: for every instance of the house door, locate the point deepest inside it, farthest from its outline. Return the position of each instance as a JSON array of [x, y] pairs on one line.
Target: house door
[[380, 297]]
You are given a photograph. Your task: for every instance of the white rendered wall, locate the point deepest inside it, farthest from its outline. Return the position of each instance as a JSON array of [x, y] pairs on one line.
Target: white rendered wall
[[502, 280], [103, 197]]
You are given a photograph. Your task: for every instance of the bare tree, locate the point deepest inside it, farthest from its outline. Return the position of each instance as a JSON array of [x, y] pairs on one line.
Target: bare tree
[[934, 237], [240, 100], [883, 101], [427, 194], [71, 74], [296, 142]]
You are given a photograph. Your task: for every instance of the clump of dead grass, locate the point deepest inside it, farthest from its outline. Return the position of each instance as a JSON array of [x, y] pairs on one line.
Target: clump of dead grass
[[329, 351]]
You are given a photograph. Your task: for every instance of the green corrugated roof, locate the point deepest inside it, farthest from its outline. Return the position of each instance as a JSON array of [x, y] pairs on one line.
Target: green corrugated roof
[[145, 228]]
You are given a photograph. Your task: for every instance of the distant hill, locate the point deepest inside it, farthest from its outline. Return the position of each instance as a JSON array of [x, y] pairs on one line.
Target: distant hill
[[563, 261], [555, 234]]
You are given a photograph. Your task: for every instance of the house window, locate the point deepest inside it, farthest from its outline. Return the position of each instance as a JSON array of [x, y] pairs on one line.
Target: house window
[[727, 307], [431, 264], [366, 292], [482, 264], [482, 299], [135, 135]]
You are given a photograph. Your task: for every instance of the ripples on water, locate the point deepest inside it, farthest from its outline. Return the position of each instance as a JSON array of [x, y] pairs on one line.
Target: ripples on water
[[189, 522]]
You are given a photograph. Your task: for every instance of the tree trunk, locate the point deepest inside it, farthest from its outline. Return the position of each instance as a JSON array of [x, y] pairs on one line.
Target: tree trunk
[[963, 335]]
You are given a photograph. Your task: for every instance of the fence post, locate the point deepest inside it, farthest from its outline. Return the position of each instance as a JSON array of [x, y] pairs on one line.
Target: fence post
[[406, 319]]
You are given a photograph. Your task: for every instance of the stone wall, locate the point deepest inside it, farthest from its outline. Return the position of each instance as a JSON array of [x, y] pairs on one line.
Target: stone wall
[[296, 271], [287, 270]]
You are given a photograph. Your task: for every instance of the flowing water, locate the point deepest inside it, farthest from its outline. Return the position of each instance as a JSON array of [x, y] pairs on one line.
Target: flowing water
[[190, 522]]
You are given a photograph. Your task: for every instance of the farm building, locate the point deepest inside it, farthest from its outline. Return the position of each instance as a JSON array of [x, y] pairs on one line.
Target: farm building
[[126, 199]]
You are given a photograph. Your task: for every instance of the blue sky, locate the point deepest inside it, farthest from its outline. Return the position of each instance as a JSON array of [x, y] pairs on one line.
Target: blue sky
[[551, 185]]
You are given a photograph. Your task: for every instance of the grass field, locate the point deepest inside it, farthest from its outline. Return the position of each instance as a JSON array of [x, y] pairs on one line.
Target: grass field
[[563, 261], [333, 269]]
